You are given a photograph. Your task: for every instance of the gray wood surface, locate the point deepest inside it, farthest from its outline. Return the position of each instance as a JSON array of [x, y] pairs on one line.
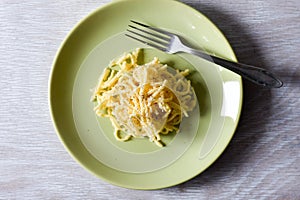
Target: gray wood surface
[[261, 162]]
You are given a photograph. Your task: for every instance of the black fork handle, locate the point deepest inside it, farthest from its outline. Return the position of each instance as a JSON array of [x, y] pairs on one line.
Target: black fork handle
[[257, 75]]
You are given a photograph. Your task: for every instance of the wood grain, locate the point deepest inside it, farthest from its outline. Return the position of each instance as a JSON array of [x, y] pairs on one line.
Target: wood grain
[[261, 162]]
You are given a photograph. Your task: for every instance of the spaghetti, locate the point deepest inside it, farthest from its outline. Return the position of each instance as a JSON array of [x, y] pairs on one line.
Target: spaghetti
[[143, 100]]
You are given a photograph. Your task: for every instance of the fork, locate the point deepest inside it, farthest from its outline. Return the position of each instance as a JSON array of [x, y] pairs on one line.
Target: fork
[[172, 43]]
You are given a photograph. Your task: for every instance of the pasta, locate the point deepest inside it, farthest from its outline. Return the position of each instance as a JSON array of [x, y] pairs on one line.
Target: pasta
[[143, 100]]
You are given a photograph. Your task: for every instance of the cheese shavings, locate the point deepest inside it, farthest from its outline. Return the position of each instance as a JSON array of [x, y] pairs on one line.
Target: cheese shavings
[[143, 100]]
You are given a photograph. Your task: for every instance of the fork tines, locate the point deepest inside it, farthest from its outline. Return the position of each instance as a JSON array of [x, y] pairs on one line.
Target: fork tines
[[149, 35]]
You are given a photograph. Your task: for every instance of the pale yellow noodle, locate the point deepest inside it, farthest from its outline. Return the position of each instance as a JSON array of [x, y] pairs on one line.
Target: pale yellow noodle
[[143, 101]]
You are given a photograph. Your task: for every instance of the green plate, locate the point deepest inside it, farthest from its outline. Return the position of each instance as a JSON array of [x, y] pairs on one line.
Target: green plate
[[139, 164]]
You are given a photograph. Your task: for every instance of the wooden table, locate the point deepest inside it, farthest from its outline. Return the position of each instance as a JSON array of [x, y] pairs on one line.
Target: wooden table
[[261, 162]]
